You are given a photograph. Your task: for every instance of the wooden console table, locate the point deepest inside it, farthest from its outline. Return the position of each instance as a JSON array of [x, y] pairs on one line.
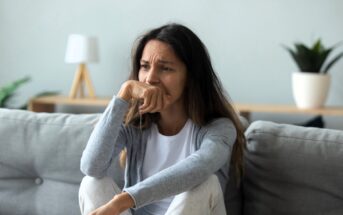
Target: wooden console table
[[48, 103], [246, 109]]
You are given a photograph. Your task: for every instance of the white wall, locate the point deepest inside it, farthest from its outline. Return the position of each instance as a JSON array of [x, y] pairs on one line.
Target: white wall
[[244, 39]]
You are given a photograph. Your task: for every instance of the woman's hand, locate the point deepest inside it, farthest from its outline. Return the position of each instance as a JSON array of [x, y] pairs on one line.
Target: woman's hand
[[117, 205], [106, 209], [154, 98]]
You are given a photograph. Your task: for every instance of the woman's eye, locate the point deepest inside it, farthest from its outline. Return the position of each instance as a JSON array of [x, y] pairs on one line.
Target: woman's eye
[[167, 69], [144, 66]]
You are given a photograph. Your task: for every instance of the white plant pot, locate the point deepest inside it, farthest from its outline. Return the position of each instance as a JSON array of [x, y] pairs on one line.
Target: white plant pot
[[310, 90]]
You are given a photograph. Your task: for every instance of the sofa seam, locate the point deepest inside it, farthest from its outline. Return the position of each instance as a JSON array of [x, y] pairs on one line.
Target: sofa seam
[[297, 138], [44, 123]]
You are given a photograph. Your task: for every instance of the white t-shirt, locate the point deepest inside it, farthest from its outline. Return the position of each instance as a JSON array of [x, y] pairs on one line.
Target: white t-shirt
[[162, 152]]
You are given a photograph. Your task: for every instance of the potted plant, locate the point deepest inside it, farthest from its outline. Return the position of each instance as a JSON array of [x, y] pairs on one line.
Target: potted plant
[[311, 83], [9, 90]]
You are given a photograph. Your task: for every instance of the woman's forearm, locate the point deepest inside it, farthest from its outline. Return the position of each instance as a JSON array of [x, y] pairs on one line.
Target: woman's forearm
[[214, 153], [103, 142]]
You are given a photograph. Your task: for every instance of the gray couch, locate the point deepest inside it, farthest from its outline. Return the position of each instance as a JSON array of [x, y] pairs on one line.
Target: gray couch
[[289, 169]]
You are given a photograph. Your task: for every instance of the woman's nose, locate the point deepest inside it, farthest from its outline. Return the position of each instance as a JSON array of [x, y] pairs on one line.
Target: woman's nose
[[152, 77]]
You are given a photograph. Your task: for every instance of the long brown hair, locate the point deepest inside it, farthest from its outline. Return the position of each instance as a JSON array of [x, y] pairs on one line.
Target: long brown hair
[[204, 96]]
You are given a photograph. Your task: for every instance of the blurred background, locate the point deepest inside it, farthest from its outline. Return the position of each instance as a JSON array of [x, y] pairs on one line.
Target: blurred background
[[244, 39]]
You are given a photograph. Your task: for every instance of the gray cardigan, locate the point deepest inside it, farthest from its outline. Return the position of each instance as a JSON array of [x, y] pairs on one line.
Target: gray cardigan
[[213, 145]]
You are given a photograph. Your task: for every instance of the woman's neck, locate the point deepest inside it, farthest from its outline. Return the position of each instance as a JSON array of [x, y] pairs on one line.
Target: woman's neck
[[172, 121]]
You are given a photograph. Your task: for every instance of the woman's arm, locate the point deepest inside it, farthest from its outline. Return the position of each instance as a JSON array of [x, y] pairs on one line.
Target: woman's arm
[[106, 140], [214, 153], [108, 137]]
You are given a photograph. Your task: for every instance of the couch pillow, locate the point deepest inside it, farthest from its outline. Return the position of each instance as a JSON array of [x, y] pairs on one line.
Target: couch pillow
[[293, 170], [40, 161]]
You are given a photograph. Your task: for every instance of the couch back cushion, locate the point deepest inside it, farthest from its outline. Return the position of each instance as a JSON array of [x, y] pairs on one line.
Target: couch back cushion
[[40, 161], [293, 170]]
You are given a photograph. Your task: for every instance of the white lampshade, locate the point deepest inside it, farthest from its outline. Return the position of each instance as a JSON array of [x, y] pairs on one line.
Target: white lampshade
[[81, 49]]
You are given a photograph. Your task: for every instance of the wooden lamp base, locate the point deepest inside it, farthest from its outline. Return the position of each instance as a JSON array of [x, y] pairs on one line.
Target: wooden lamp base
[[82, 78]]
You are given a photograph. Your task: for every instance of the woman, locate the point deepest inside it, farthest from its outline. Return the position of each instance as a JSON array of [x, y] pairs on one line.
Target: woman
[[179, 133]]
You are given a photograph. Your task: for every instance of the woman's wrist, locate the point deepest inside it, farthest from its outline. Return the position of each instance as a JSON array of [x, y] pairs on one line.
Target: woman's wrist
[[123, 201], [124, 92]]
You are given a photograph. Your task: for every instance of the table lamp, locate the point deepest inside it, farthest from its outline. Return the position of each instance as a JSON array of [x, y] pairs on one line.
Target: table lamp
[[81, 49]]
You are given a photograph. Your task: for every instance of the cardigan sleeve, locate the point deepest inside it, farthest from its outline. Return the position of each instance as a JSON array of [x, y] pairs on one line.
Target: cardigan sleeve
[[106, 140], [214, 152]]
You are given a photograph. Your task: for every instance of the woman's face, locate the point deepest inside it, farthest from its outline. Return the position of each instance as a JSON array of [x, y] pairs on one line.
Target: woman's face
[[159, 66]]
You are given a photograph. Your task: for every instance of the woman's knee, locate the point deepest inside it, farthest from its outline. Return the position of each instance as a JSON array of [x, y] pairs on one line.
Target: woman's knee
[[95, 186], [210, 190], [89, 181], [202, 199], [210, 185], [95, 192]]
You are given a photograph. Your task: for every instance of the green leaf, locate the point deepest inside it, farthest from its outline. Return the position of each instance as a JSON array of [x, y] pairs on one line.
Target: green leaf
[[321, 58], [317, 46], [313, 59], [304, 57], [5, 99], [7, 91], [292, 53], [332, 62]]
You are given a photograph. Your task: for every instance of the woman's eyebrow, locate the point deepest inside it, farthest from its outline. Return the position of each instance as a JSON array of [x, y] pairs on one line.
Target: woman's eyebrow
[[165, 62], [144, 61], [159, 61]]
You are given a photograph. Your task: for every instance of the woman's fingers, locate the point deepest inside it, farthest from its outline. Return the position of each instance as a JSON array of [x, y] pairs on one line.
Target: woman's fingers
[[151, 100], [162, 101], [146, 97], [154, 99], [159, 103]]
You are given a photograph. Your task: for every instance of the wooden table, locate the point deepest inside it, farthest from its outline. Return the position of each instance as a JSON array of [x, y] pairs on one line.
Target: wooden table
[[48, 103], [246, 109]]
